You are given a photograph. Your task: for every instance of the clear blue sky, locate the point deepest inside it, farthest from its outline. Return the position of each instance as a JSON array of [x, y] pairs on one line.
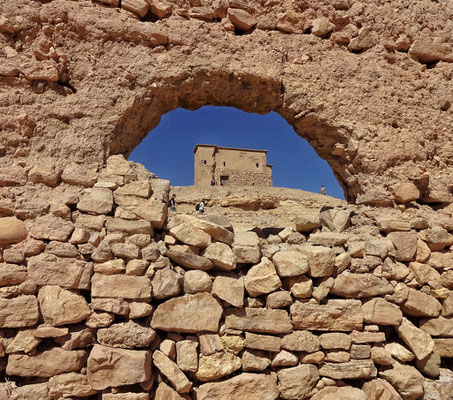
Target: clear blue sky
[[167, 151]]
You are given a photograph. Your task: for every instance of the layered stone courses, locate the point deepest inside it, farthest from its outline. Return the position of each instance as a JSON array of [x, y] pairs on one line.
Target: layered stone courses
[[122, 309]]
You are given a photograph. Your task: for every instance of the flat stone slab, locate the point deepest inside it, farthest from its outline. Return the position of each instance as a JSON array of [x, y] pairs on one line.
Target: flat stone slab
[[244, 386], [355, 369], [191, 313], [335, 315], [360, 285], [261, 320], [122, 286]]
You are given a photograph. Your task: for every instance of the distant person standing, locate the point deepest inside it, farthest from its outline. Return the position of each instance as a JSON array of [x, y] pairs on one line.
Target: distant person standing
[[323, 190], [201, 207], [172, 203]]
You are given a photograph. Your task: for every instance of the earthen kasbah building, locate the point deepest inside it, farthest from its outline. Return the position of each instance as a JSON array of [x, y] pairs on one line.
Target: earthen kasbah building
[[230, 166]]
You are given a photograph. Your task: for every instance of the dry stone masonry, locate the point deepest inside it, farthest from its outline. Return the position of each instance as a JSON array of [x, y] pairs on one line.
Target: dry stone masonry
[[105, 297]]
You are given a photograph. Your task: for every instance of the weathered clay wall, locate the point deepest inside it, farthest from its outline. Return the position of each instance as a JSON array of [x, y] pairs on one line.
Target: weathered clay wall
[[104, 297], [367, 83], [242, 167]]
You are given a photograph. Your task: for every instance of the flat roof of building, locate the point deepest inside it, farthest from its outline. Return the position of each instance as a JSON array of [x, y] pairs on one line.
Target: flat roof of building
[[227, 148]]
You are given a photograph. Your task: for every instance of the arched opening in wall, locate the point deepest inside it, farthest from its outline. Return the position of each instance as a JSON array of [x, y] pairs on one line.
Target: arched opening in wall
[[168, 150]]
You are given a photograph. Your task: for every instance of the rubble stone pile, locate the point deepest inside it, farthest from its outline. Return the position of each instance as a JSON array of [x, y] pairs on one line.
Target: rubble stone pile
[[105, 297]]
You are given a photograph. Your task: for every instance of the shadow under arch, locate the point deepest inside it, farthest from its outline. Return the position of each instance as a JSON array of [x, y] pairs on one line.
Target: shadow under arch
[[247, 92]]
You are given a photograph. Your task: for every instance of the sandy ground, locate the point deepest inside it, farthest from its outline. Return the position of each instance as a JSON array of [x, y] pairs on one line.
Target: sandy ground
[[249, 206]]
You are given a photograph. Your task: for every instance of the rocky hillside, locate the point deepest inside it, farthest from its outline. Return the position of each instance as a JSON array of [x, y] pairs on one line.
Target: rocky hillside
[[252, 207]]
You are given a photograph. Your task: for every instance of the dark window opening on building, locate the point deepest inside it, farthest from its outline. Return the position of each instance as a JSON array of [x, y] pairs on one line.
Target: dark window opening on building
[[204, 162], [224, 180], [257, 165], [224, 164]]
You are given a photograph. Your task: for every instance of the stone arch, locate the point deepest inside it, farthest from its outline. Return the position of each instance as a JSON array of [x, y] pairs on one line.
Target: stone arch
[[84, 81], [248, 93]]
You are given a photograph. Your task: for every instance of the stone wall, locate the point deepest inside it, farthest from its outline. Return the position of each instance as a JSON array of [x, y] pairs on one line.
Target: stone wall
[[83, 80], [104, 297]]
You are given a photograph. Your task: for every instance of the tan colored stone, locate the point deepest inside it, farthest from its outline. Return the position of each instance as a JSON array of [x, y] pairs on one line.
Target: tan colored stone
[[259, 320], [172, 372], [354, 369], [328, 238], [51, 228], [99, 320], [244, 386], [166, 283], [405, 379], [108, 367], [122, 286], [19, 312], [79, 336], [426, 274], [136, 267], [344, 392], [47, 269], [262, 342], [61, 307], [233, 343], [70, 384], [262, 278], [126, 335], [140, 188], [11, 274], [300, 341], [405, 244], [44, 331], [444, 347], [210, 343], [221, 255], [246, 248], [307, 222], [329, 341], [367, 337], [423, 252], [379, 389], [96, 201], [254, 360], [438, 238], [417, 340], [61, 249], [139, 310], [191, 261], [229, 289], [290, 263], [241, 19], [190, 235], [187, 356], [12, 230], [405, 192], [129, 227], [321, 260], [447, 305], [191, 313], [297, 382], [125, 396], [284, 359], [91, 222], [116, 306], [381, 356], [46, 363], [46, 174], [312, 358], [160, 8], [337, 356], [217, 365], [301, 287], [428, 52], [216, 231], [24, 341], [110, 267], [335, 315], [399, 352], [77, 175], [419, 304], [153, 211], [37, 391], [279, 299], [437, 326], [165, 392], [196, 281], [381, 312]]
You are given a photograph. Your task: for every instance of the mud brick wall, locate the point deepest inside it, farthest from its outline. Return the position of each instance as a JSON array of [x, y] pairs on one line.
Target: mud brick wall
[[105, 297]]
